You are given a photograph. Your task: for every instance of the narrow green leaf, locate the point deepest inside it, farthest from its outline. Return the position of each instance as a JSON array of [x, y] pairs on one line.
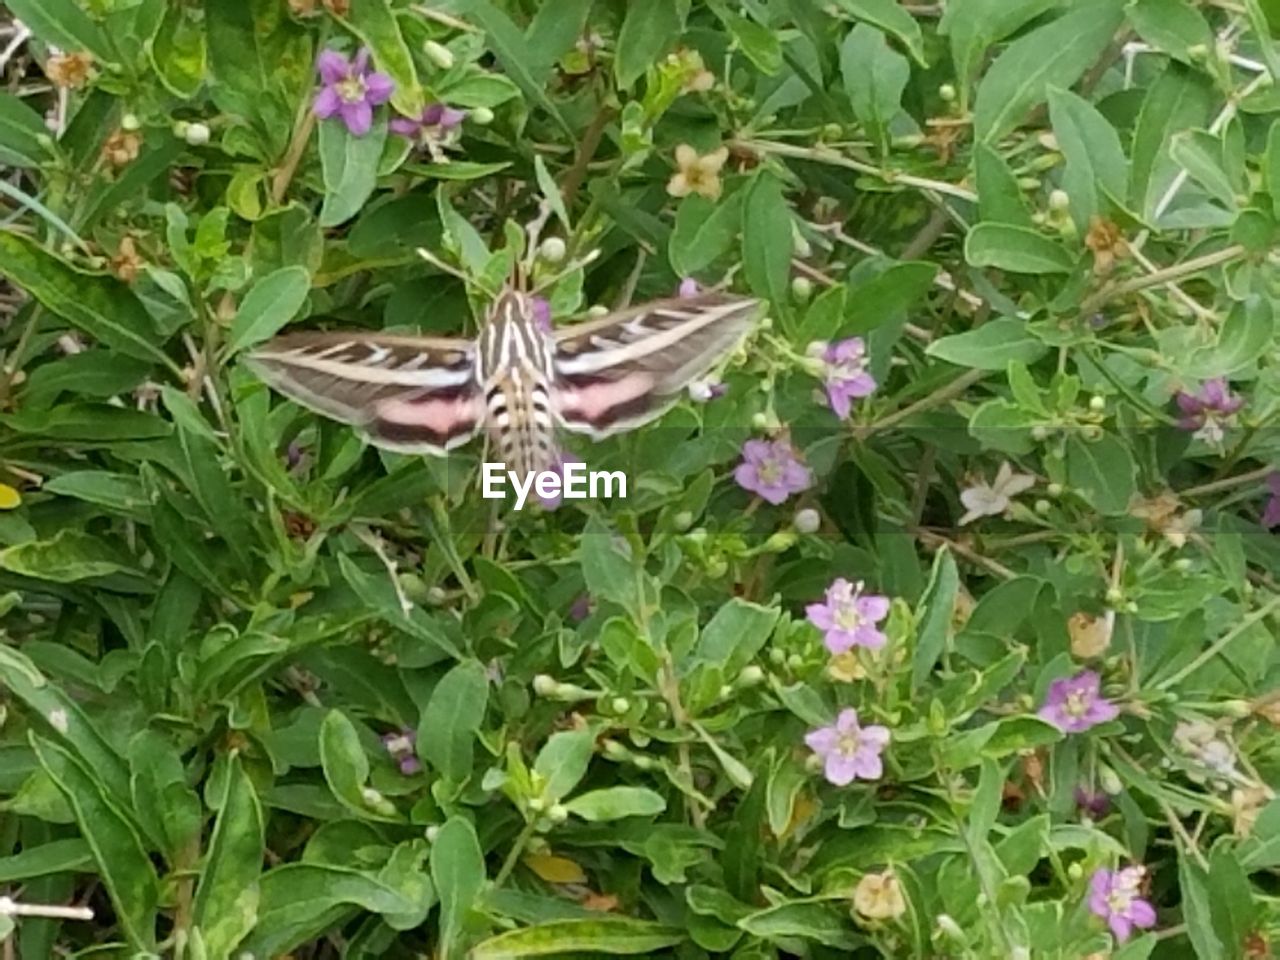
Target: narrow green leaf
[[63, 24], [1016, 249], [614, 936], [648, 32], [457, 870], [346, 768], [374, 22], [1102, 473], [226, 904], [1172, 26], [447, 731], [935, 614], [874, 78], [890, 17], [1197, 913], [1096, 164], [974, 25], [1058, 53], [737, 632], [766, 239], [614, 803], [270, 304], [1200, 153], [999, 196], [1180, 99], [123, 864], [21, 130], [563, 760]]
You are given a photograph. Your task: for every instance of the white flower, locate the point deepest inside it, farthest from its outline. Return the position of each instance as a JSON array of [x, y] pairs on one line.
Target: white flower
[[992, 499]]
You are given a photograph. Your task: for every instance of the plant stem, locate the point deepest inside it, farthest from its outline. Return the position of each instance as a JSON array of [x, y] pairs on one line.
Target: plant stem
[[513, 856], [1220, 644], [1168, 274]]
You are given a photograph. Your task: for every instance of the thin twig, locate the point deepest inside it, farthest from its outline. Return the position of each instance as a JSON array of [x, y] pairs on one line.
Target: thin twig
[[1220, 644], [1161, 277], [10, 908]]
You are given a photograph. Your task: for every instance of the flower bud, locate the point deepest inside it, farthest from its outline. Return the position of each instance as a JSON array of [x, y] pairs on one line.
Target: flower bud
[[777, 657], [545, 686], [1097, 403], [1029, 183], [438, 54], [801, 289], [807, 520], [1059, 200], [1182, 564], [1043, 506], [726, 691], [619, 705], [130, 122], [180, 128], [432, 833], [760, 421], [752, 675], [780, 542], [482, 116], [1054, 489], [1114, 595], [698, 536], [948, 928], [717, 568], [197, 134], [558, 813], [795, 661], [436, 596], [799, 245], [1236, 708], [552, 250], [536, 804], [1039, 433], [946, 93], [597, 310]]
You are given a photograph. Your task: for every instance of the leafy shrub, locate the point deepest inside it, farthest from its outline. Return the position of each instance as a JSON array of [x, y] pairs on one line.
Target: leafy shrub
[[943, 626]]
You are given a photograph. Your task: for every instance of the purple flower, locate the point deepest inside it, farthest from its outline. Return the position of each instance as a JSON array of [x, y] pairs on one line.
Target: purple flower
[[846, 374], [1113, 896], [688, 288], [1075, 704], [848, 618], [350, 90], [770, 469], [1207, 410], [434, 123], [542, 314], [580, 608], [1271, 515], [1093, 805], [401, 747], [557, 467], [849, 751]]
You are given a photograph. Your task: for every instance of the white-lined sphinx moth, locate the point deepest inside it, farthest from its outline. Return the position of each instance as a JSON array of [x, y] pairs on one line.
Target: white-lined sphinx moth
[[516, 381]]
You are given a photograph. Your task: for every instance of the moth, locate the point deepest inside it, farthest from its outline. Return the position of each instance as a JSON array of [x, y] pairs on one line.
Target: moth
[[516, 381]]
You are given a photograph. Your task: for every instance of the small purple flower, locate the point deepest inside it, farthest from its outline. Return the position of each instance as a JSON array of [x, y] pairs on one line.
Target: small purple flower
[[1209, 409], [1271, 515], [580, 608], [542, 314], [401, 747], [846, 374], [1092, 804], [770, 470], [350, 90], [848, 618], [688, 288], [557, 467], [849, 751], [435, 122], [1075, 704], [1113, 896]]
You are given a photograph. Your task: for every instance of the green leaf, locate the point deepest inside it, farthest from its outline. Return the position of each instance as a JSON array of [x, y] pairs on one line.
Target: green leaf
[[1016, 249], [808, 920], [1178, 100], [346, 768], [1196, 911], [1200, 153], [890, 17], [57, 856], [704, 232], [613, 936], [991, 346], [1101, 472], [457, 870], [226, 904], [270, 304], [1171, 25], [934, 614], [447, 731], [123, 864], [1058, 53], [166, 808], [874, 78], [648, 32], [456, 170], [554, 30], [1096, 164], [513, 52], [609, 573], [888, 295], [974, 25], [21, 130], [614, 803], [374, 22], [759, 43], [179, 53], [737, 632], [1271, 167], [64, 24], [766, 239], [350, 166], [101, 306], [999, 196], [71, 555], [562, 762]]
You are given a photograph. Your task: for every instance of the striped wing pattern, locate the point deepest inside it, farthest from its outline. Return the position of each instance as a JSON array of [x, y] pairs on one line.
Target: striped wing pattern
[[516, 381]]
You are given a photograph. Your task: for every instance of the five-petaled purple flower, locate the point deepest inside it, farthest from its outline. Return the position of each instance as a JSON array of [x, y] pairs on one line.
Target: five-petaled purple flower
[[1208, 409], [434, 123], [1113, 896], [846, 374], [1271, 514], [1075, 704], [350, 90], [848, 618], [401, 747], [849, 751], [770, 470]]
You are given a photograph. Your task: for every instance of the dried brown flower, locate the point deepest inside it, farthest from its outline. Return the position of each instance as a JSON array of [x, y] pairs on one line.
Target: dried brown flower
[[1107, 243], [121, 148], [69, 71], [127, 264]]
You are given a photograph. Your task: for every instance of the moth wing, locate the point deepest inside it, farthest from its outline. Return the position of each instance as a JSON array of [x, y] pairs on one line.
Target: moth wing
[[408, 394], [628, 368]]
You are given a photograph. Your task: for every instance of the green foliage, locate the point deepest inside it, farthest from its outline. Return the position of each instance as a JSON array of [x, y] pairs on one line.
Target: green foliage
[[268, 691]]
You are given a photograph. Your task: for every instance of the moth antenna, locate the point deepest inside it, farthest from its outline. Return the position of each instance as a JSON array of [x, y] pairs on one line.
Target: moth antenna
[[577, 263]]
